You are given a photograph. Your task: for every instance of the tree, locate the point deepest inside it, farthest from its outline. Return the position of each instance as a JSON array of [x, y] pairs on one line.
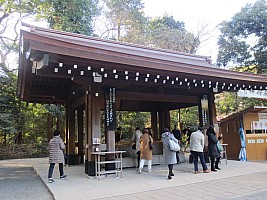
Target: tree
[[11, 14], [165, 32], [235, 46], [11, 119], [74, 16], [124, 15]]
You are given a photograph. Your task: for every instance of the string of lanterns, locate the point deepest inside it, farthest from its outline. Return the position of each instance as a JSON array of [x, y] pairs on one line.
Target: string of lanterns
[[160, 79]]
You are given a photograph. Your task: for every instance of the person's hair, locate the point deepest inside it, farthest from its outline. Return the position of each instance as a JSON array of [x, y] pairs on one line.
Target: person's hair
[[200, 128], [145, 130], [137, 128], [211, 130], [56, 132], [166, 130]]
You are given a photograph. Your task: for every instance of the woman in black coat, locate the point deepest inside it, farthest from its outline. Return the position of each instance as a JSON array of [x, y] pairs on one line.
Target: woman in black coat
[[212, 147]]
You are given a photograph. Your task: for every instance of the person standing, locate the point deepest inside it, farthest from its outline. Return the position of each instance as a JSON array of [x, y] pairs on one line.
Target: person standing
[[169, 155], [118, 135], [56, 155], [145, 151], [212, 148], [136, 138], [177, 134], [196, 149]]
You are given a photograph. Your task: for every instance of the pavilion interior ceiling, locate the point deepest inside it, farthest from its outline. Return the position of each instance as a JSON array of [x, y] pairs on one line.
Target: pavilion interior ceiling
[[54, 69]]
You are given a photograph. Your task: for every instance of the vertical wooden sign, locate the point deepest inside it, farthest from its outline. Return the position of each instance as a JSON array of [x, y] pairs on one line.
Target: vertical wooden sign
[[205, 110], [110, 109]]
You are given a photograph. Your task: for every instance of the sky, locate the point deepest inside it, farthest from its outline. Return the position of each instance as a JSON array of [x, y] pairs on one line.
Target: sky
[[195, 14]]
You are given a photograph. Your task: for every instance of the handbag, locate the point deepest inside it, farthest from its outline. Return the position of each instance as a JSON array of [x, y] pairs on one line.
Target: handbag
[[134, 146], [174, 146], [219, 147]]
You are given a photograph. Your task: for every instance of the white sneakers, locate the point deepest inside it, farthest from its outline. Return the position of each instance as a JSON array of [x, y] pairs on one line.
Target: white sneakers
[[63, 176], [51, 180]]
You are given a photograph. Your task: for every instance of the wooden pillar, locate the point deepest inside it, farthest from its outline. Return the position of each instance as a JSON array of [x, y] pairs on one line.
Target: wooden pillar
[[80, 118], [179, 120], [49, 127], [167, 118], [212, 109], [161, 123], [93, 129], [154, 125], [88, 140], [67, 130], [164, 120], [71, 136], [58, 125]]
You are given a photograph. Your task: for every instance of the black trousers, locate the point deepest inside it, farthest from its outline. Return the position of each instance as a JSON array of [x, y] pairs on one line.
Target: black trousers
[[138, 158], [177, 157], [170, 166], [199, 155], [51, 169]]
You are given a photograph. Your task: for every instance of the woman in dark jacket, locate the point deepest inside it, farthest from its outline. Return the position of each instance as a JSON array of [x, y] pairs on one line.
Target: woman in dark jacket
[[212, 147]]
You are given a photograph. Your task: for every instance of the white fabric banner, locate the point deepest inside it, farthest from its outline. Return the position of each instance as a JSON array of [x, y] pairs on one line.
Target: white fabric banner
[[252, 93]]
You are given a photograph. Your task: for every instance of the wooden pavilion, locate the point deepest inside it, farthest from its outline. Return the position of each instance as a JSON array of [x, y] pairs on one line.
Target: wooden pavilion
[[89, 75]]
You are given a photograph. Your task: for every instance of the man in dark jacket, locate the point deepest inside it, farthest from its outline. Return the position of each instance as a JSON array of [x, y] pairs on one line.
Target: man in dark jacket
[[177, 135]]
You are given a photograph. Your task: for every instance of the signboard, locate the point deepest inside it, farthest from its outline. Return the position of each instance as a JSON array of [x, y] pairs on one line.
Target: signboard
[[205, 110], [262, 116], [110, 110], [259, 125], [260, 140], [253, 93], [251, 141]]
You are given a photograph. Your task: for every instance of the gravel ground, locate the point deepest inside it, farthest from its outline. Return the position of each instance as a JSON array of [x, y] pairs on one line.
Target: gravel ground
[[21, 182]]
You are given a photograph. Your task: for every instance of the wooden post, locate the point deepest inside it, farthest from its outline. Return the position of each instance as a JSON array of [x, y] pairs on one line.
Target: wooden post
[[154, 125], [49, 127], [88, 140], [212, 109], [93, 129], [80, 118], [71, 136]]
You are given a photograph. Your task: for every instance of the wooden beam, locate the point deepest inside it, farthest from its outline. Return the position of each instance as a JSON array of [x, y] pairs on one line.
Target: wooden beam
[[156, 97]]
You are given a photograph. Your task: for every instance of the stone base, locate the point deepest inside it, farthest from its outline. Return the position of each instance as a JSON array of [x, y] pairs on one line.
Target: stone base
[[156, 160]]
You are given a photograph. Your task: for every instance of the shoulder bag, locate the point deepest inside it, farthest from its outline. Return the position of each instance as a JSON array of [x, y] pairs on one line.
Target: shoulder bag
[[219, 147], [174, 146]]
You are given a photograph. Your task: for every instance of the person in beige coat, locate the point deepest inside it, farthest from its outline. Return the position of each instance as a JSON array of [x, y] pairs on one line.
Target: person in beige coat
[[56, 155], [145, 151]]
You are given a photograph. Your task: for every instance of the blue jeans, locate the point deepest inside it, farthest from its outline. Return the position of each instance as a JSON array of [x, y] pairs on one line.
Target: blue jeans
[[51, 169], [201, 157]]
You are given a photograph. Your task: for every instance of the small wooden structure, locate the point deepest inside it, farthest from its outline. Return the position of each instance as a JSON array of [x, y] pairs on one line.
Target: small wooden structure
[[91, 75], [254, 122]]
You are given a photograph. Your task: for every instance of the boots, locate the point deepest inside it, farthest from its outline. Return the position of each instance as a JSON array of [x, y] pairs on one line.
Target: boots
[[217, 163], [212, 165]]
